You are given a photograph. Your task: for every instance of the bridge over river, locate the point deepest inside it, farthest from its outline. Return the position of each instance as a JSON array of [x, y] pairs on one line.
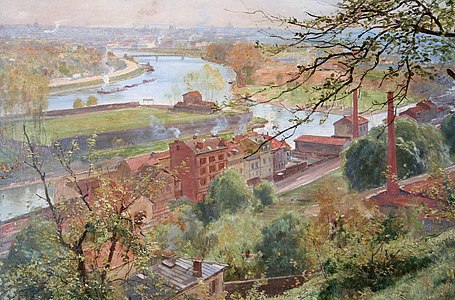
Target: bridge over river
[[158, 55]]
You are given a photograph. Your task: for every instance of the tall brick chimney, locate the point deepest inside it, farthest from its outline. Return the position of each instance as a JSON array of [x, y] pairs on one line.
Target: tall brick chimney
[[355, 114], [392, 170], [197, 267]]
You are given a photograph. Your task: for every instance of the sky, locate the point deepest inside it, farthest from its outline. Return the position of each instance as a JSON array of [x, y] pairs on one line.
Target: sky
[[136, 13]]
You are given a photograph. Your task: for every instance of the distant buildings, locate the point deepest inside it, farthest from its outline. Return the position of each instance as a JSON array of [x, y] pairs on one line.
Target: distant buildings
[[424, 112]]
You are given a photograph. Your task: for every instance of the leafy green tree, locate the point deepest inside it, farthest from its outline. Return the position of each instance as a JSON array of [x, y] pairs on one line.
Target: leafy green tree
[[228, 193], [448, 131], [78, 103], [236, 239], [207, 80], [365, 164], [283, 247], [91, 101], [265, 192], [419, 148]]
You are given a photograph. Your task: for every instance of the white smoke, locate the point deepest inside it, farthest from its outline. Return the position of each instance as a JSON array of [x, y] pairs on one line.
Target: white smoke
[[56, 27], [159, 131], [109, 70], [221, 124], [243, 122]]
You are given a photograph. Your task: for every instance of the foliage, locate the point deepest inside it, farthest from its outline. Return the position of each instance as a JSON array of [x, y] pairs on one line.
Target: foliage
[[360, 35], [419, 149], [208, 81], [265, 192], [91, 101], [236, 240], [227, 193], [22, 90], [78, 103], [93, 230], [243, 58], [283, 246], [448, 131]]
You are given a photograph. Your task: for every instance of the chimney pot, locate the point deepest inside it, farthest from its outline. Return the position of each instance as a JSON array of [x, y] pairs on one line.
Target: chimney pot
[[197, 267]]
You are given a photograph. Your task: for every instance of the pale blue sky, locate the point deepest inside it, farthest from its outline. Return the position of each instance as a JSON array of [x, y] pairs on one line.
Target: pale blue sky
[[126, 13]]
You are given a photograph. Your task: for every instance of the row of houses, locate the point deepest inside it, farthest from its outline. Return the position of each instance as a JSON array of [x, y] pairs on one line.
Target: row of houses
[[188, 168]]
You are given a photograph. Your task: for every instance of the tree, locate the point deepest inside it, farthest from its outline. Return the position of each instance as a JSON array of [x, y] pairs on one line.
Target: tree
[[244, 59], [419, 148], [228, 193], [413, 36], [448, 131], [93, 230], [91, 101], [78, 103], [236, 239], [265, 192], [283, 246], [208, 81]]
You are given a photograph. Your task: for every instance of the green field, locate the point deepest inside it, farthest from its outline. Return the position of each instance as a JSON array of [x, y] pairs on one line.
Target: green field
[[87, 124]]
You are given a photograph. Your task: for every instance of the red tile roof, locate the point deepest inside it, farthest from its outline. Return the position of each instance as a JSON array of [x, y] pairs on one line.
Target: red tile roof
[[325, 140], [193, 94], [206, 145], [135, 163], [361, 119]]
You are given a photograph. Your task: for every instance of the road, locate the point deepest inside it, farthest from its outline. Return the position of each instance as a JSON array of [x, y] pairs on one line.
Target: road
[[308, 176], [130, 67]]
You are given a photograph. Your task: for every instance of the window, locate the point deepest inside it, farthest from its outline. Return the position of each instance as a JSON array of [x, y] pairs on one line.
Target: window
[[221, 157], [203, 181], [212, 169], [211, 159], [203, 160], [203, 170], [220, 166], [252, 165], [213, 287]]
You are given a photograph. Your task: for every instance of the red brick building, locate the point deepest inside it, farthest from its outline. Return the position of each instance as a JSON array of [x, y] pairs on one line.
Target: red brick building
[[196, 163], [192, 101]]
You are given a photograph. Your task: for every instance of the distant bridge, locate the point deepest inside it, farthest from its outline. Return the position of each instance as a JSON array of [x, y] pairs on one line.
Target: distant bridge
[[157, 56]]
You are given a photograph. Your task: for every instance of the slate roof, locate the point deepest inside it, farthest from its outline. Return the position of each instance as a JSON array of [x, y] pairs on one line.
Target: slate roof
[[178, 273]]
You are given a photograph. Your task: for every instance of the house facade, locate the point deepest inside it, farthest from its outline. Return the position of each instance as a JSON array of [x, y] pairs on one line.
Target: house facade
[[196, 163], [344, 127]]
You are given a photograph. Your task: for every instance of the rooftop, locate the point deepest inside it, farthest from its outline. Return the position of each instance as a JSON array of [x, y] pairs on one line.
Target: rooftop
[[325, 140], [361, 119], [206, 145]]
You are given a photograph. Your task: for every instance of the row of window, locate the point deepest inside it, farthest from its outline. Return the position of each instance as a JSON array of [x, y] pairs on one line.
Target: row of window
[[203, 160]]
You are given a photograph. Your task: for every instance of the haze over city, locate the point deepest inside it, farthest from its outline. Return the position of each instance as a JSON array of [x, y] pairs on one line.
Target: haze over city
[[136, 13]]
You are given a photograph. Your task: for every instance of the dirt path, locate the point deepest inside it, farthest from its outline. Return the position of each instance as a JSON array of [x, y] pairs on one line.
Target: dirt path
[[130, 67], [309, 175]]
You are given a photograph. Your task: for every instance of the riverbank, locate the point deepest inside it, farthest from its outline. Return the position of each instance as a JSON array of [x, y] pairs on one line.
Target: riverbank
[[132, 70]]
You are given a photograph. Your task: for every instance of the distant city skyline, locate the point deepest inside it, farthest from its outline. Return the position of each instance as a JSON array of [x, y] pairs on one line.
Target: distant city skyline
[[137, 13]]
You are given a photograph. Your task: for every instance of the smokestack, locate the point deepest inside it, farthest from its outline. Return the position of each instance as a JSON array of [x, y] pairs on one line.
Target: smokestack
[[197, 267], [392, 170], [355, 114]]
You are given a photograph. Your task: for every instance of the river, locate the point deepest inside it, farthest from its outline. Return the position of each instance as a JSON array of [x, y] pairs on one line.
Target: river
[[166, 89]]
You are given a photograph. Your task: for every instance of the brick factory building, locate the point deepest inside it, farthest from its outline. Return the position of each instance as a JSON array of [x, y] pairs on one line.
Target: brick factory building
[[196, 163], [344, 127]]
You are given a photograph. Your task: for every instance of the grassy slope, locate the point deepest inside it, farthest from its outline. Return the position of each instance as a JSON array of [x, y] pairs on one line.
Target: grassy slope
[[302, 198], [434, 282], [86, 124]]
